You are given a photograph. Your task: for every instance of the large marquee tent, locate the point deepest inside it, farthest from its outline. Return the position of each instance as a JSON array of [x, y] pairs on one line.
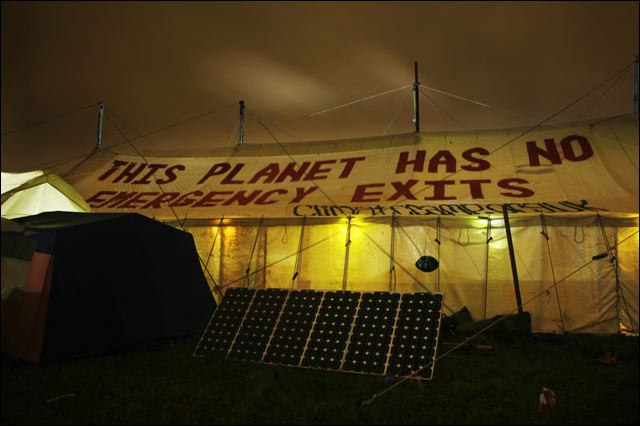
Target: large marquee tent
[[356, 214]]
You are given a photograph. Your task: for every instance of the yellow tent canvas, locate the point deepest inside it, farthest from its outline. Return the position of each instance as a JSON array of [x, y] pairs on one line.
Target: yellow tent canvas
[[25, 194], [356, 214]]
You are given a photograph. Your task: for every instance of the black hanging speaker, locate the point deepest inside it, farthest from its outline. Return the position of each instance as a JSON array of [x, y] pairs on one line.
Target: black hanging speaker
[[427, 264]]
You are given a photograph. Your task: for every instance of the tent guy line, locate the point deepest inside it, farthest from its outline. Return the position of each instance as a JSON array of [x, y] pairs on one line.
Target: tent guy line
[[28, 126], [180, 222], [622, 74], [175, 124], [529, 130], [467, 340], [463, 127], [59, 162], [359, 100], [155, 179], [404, 198], [613, 259]]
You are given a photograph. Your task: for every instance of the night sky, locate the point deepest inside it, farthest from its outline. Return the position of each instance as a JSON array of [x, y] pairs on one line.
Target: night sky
[[155, 64]]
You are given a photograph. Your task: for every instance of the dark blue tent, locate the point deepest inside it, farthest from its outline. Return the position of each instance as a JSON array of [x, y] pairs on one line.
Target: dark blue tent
[[108, 281]]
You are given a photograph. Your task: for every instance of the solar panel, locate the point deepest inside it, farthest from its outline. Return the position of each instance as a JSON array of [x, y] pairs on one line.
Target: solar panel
[[372, 332], [225, 321], [293, 328], [257, 327], [360, 332], [326, 345], [416, 335]]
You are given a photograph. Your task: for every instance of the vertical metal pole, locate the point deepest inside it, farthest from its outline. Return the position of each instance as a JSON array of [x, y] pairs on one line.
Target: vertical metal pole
[[438, 230], [416, 99], [296, 269], [392, 261], [345, 273], [264, 258], [485, 292], [100, 123], [635, 82], [221, 276], [241, 122], [512, 257]]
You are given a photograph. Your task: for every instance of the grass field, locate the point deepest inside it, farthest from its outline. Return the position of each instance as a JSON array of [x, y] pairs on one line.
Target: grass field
[[169, 386]]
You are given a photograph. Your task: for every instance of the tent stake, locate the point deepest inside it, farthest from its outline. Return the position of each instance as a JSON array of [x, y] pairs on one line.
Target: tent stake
[[514, 270]]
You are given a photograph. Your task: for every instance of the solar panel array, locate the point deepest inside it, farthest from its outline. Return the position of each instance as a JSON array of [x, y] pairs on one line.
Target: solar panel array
[[361, 332]]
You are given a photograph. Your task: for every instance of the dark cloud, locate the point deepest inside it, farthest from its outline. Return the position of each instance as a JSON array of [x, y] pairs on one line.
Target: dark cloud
[[155, 63]]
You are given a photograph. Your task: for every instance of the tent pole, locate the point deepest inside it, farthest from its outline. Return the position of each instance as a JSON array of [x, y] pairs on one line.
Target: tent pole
[[416, 99], [512, 257], [545, 234], [392, 261], [100, 124], [296, 268], [346, 256], [253, 250], [264, 258], [241, 122], [635, 82], [222, 250], [486, 270], [438, 225]]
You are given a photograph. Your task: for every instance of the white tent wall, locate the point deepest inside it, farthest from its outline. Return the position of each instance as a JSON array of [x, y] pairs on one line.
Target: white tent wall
[[369, 262], [627, 255], [322, 264], [472, 273], [411, 242], [463, 269], [281, 252], [408, 196], [588, 296]]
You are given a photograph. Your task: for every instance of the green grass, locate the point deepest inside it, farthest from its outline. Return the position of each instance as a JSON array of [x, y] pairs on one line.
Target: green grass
[[171, 387]]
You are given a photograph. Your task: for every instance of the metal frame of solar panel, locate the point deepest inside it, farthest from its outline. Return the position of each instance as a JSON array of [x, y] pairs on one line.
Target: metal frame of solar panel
[[378, 333]]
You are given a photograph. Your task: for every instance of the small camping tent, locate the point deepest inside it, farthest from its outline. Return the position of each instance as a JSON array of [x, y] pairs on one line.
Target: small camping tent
[[99, 282], [25, 194]]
